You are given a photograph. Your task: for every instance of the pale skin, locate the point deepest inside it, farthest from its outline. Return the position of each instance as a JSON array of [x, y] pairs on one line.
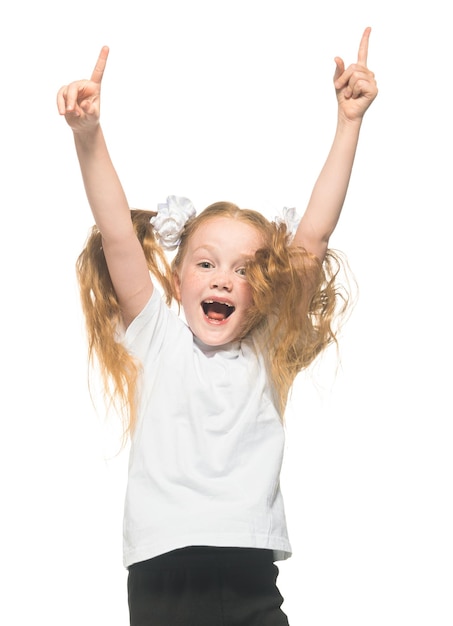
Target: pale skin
[[79, 102], [213, 271]]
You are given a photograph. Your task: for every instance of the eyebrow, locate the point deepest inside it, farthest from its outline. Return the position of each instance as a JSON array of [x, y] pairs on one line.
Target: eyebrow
[[205, 247], [213, 249]]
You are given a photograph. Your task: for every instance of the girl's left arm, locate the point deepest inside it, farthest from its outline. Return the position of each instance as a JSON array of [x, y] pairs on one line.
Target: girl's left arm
[[355, 89]]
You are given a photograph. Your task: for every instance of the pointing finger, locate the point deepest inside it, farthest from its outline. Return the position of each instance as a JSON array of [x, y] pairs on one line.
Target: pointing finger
[[363, 48], [99, 68]]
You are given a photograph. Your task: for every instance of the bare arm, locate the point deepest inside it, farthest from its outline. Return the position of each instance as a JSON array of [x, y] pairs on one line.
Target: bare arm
[[79, 102], [356, 89]]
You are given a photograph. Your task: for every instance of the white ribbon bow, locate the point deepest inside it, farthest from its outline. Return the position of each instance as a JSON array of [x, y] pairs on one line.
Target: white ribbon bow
[[170, 220], [291, 219]]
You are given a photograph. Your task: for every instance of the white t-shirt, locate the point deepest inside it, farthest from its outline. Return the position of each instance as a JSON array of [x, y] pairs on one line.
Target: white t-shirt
[[207, 451]]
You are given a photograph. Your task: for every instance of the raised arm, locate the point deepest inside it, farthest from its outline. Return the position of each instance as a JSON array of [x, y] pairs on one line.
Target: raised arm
[[79, 102], [356, 89]]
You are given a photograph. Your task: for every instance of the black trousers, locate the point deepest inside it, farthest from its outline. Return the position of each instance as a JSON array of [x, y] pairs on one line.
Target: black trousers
[[204, 586]]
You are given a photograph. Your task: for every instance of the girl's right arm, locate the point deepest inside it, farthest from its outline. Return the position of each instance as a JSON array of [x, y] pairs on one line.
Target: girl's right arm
[[79, 102]]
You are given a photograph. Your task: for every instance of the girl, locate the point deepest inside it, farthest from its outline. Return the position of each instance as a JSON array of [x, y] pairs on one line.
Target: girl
[[204, 518]]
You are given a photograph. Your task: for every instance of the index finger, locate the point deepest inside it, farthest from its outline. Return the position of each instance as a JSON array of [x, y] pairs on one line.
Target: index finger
[[363, 48], [99, 68]]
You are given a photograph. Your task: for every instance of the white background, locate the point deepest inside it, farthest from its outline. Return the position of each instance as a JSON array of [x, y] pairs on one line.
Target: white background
[[233, 100]]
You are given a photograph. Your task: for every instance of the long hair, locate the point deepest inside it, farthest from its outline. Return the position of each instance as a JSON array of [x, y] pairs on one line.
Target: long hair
[[119, 371], [297, 308]]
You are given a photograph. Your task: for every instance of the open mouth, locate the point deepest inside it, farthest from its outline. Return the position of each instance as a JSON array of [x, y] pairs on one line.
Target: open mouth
[[217, 311]]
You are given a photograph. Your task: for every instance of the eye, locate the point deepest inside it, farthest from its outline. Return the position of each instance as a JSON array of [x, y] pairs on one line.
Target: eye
[[205, 265], [241, 271]]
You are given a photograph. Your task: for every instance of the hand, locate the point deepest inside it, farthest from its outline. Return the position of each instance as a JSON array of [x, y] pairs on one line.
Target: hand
[[355, 87], [79, 101]]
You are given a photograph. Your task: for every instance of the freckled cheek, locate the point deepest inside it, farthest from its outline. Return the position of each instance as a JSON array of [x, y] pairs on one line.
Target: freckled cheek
[[190, 286], [247, 295]]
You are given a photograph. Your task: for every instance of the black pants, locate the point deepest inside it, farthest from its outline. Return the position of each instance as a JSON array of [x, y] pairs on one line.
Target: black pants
[[203, 586]]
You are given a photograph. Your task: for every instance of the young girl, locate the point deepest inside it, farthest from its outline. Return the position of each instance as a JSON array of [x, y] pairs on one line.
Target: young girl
[[205, 397]]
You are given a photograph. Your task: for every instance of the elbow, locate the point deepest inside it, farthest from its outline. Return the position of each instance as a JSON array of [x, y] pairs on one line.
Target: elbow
[[316, 245]]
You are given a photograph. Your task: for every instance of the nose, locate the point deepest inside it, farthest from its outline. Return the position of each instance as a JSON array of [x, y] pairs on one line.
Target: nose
[[221, 280]]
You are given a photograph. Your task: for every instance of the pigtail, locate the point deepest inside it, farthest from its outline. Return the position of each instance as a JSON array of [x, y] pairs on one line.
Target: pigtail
[[299, 305], [118, 369]]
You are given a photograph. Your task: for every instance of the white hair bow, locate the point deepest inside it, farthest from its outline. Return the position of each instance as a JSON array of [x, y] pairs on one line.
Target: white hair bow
[[291, 219], [170, 220]]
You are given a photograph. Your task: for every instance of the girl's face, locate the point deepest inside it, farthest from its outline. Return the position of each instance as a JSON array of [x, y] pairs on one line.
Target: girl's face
[[211, 282]]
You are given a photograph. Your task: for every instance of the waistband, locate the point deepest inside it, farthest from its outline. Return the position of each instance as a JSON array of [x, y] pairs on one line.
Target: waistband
[[207, 556]]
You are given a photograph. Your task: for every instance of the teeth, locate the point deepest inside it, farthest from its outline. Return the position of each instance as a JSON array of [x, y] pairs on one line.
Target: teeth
[[231, 306]]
